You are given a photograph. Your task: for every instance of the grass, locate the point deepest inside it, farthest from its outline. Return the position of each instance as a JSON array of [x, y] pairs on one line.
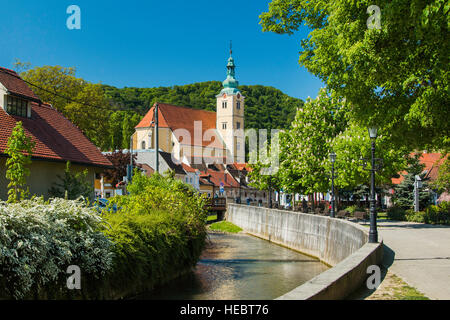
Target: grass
[[405, 292], [225, 226], [212, 218]]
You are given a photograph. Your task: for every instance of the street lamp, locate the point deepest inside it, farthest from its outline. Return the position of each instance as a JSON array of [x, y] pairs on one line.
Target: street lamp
[[373, 233], [332, 159]]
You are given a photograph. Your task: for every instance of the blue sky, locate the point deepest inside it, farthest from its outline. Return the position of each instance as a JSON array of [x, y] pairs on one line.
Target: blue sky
[[155, 43]]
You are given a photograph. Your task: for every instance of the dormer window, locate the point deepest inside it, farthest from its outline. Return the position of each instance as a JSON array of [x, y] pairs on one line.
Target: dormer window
[[17, 106]]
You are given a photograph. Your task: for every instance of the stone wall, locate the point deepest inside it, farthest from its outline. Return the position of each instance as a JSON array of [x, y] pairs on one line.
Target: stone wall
[[339, 243]]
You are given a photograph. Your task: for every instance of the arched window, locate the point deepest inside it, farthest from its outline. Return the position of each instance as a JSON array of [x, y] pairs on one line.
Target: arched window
[[143, 145]]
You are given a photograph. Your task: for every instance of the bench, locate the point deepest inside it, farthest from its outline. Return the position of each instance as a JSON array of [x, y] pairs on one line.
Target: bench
[[361, 215], [343, 214]]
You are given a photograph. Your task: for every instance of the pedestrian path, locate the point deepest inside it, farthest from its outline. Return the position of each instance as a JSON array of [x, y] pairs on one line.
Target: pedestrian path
[[419, 254]]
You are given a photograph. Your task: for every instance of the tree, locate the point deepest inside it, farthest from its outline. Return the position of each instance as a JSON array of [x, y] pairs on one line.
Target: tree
[[19, 149], [404, 191], [353, 144], [91, 114], [442, 183], [395, 76], [71, 185], [83, 103], [119, 160], [307, 145]]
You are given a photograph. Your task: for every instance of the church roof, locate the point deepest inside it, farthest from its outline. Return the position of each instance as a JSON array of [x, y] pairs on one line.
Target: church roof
[[177, 117]]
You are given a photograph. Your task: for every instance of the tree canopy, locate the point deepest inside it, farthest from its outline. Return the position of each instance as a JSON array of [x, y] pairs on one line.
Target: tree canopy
[[395, 76]]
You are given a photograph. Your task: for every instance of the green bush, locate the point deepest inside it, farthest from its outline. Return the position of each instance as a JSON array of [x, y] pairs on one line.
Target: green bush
[[396, 213], [432, 214], [159, 232], [353, 208], [413, 216], [39, 240]]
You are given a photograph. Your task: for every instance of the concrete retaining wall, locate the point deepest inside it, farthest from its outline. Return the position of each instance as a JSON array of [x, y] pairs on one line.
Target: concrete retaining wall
[[337, 242]]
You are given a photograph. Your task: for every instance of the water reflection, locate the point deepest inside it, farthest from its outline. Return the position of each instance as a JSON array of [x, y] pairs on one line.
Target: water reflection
[[241, 267]]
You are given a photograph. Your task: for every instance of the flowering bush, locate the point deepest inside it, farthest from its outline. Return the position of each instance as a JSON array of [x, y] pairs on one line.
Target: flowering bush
[[40, 239]]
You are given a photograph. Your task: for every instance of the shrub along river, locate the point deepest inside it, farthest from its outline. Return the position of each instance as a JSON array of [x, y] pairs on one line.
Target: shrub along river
[[241, 267]]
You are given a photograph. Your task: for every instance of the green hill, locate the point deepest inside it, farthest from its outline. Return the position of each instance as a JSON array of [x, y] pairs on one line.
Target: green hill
[[265, 107]]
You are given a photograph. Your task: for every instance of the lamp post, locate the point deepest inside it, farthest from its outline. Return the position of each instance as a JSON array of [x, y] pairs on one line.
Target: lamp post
[[373, 233], [156, 139], [417, 186], [332, 159]]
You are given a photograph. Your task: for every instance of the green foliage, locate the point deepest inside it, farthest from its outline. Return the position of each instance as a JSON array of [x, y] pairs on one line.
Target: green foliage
[[396, 76], [159, 231], [442, 183], [307, 145], [353, 208], [265, 107], [396, 213], [72, 185], [19, 149], [353, 144], [39, 240], [225, 226]]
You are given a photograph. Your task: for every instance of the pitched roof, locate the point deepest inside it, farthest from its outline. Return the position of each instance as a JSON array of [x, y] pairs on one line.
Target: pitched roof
[[432, 161], [177, 117], [188, 168], [218, 177], [55, 136], [15, 85], [178, 168]]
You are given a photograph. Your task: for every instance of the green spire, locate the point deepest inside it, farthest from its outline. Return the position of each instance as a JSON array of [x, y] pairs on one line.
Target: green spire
[[230, 85]]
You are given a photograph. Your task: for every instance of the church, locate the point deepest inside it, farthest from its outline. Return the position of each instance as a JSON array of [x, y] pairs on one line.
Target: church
[[196, 136]]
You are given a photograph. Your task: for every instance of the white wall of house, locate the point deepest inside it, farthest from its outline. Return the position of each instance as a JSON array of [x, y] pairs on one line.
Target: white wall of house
[[2, 97]]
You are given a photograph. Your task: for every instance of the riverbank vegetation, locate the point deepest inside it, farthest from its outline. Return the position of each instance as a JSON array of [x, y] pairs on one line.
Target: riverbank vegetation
[[225, 226], [157, 233]]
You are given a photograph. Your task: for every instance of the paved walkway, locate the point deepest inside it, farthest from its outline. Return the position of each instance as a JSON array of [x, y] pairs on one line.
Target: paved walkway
[[419, 254]]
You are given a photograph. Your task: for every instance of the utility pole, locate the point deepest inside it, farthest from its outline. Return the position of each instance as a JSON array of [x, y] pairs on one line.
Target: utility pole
[[156, 140]]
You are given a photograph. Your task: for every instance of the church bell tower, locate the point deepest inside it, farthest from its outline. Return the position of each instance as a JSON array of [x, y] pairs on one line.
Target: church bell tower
[[230, 115]]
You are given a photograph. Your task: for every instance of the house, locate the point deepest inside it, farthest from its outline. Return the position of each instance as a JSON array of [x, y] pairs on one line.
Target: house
[[431, 162], [57, 140]]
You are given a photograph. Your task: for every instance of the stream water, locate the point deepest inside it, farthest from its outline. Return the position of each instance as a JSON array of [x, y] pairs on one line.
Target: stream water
[[241, 267]]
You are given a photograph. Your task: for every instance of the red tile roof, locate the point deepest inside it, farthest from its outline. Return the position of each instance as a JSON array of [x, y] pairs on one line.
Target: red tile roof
[[188, 168], [55, 136], [176, 117], [432, 161], [15, 85], [218, 177]]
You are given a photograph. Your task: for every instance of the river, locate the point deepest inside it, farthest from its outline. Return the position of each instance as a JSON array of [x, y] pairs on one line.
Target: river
[[241, 267]]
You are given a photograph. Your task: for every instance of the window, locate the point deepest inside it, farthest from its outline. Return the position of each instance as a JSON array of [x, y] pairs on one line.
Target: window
[[224, 125], [238, 125], [17, 106], [238, 146], [238, 105], [224, 104], [143, 145]]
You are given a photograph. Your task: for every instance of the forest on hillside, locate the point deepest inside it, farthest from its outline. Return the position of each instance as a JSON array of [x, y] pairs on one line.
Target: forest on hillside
[[265, 107], [108, 115]]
